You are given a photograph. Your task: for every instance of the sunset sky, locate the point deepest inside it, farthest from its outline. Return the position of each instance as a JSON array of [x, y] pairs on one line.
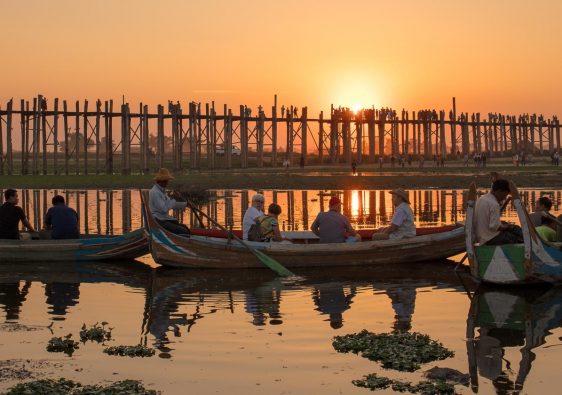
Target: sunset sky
[[502, 56]]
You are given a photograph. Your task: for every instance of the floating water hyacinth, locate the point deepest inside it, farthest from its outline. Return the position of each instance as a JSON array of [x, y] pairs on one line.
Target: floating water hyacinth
[[403, 351], [130, 351], [60, 344], [374, 382], [95, 333], [64, 387]]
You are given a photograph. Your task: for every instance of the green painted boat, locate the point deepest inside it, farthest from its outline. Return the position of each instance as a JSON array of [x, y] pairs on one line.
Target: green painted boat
[[533, 261]]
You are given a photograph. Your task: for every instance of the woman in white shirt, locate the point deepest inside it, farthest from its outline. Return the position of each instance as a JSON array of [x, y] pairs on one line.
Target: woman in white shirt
[[253, 213]]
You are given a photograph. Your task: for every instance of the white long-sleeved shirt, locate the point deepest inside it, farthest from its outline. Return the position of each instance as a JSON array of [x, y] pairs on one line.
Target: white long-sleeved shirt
[[160, 203], [486, 218]]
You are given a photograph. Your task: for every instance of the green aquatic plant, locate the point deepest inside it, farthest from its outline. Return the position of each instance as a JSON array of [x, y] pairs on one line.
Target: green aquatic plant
[[374, 382], [62, 344], [403, 351], [63, 387], [95, 333], [130, 351]]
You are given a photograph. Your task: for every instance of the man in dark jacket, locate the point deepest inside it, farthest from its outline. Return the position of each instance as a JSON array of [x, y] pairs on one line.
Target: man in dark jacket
[[62, 220]]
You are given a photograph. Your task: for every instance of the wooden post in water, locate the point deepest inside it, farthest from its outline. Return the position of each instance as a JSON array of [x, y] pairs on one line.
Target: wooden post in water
[[557, 125], [199, 135], [443, 147], [125, 139], [86, 137], [35, 138], [160, 147], [43, 115], [109, 140], [56, 137], [321, 138], [77, 141], [346, 135], [227, 139], [97, 133], [289, 149], [334, 136], [145, 141], [304, 134], [274, 133], [66, 131], [243, 129], [261, 136], [359, 136], [382, 118], [9, 147]]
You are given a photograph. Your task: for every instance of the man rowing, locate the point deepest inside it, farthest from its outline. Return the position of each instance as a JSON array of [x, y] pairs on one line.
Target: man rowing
[[160, 203]]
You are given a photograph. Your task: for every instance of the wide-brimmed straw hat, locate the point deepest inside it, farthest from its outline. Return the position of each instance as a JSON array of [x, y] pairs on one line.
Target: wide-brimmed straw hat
[[402, 193], [163, 175]]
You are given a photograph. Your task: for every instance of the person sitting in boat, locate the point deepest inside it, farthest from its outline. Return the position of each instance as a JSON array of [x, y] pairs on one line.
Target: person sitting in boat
[[269, 224], [160, 203], [547, 230], [333, 227], [11, 215], [543, 204], [62, 220], [252, 214], [402, 225], [488, 227]]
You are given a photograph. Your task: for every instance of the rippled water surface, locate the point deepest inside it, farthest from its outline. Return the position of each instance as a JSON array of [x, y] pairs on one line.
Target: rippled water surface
[[249, 332]]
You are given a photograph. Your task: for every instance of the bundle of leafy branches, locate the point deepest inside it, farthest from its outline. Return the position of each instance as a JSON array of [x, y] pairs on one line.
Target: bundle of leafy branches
[[64, 387], [95, 333], [403, 351], [62, 344], [374, 382], [130, 351]]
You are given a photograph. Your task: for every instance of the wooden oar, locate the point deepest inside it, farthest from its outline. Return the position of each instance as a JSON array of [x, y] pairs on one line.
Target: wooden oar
[[266, 260]]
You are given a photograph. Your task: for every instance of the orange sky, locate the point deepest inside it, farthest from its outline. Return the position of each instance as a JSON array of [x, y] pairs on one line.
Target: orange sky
[[492, 55]]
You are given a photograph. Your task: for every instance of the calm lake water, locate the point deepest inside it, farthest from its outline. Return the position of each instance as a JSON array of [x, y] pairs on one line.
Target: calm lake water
[[249, 332]]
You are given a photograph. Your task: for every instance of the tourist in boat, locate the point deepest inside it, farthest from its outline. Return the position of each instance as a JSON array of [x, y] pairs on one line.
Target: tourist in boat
[[489, 229], [62, 220], [332, 226], [543, 204], [402, 225], [11, 215], [269, 224], [252, 214], [494, 176], [160, 203], [547, 229]]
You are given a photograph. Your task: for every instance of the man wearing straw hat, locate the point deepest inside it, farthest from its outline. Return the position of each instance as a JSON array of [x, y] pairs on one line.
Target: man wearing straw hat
[[160, 203], [402, 225]]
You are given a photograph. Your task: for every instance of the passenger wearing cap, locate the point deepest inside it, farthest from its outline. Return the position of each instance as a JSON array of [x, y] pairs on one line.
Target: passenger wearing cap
[[160, 203], [402, 225], [333, 227], [252, 214]]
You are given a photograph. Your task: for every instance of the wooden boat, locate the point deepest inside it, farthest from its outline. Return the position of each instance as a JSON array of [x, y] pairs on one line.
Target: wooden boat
[[509, 319], [214, 249], [533, 261], [93, 248]]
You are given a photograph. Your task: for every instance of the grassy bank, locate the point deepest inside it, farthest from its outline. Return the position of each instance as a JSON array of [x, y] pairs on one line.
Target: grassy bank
[[309, 178]]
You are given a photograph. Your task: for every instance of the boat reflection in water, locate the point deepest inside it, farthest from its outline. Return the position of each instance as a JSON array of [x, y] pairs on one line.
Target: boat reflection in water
[[500, 319]]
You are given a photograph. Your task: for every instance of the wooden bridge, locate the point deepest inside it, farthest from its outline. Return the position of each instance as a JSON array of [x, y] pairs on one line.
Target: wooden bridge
[[53, 137]]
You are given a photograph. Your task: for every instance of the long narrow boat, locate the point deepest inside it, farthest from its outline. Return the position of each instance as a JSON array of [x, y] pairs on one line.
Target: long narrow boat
[[214, 249], [93, 248], [533, 261]]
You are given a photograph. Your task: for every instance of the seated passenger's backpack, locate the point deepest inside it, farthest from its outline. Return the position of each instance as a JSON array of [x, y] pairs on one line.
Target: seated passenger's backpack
[[254, 233]]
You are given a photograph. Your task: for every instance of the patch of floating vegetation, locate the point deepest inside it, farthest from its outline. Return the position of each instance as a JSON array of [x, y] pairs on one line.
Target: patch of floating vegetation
[[374, 382], [95, 333], [403, 351], [130, 351], [63, 387], [63, 344]]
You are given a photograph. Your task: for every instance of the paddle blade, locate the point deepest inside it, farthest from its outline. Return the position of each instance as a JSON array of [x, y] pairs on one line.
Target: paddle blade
[[272, 264]]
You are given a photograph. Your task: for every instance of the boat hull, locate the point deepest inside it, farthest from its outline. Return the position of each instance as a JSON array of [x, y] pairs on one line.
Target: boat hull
[[128, 246]]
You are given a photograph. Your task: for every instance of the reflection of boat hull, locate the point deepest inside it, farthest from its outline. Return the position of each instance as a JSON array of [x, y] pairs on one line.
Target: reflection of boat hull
[[128, 246], [221, 253], [534, 261]]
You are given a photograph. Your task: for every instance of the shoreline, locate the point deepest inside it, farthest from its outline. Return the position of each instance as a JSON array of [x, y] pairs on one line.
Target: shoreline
[[310, 178]]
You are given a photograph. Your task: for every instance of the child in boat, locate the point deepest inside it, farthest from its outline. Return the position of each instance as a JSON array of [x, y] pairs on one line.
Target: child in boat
[[269, 224]]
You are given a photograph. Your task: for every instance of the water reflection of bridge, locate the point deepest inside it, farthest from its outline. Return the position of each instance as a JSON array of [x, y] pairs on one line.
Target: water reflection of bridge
[[116, 211]]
